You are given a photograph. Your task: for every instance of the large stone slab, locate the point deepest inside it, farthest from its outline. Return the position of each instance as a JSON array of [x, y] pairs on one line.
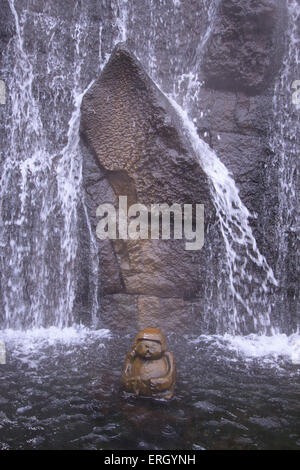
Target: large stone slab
[[140, 151], [136, 135], [244, 50], [134, 312]]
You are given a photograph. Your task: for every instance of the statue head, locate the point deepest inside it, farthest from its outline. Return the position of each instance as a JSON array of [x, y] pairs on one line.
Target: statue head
[[150, 343]]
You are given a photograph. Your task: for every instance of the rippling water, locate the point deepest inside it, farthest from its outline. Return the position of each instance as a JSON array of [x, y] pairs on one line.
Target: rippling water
[[60, 389]]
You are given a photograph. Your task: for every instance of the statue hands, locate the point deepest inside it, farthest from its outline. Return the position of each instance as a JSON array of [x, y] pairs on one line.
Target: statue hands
[[159, 384], [137, 384]]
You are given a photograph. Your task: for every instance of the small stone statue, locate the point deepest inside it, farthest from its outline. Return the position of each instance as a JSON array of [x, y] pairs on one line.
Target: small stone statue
[[149, 368]]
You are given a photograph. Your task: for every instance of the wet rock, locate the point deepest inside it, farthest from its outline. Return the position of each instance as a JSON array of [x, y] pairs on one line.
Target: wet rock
[[139, 150], [242, 57], [109, 264], [243, 155], [137, 137], [7, 27], [139, 311], [24, 410], [152, 268], [245, 48], [119, 311]]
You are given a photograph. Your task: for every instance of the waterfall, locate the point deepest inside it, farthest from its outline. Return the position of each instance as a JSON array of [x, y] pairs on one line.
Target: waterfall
[[41, 179], [241, 246], [284, 143]]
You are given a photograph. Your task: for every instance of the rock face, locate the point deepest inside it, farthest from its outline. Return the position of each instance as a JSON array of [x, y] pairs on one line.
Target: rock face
[[141, 152], [7, 29], [243, 51], [241, 61], [136, 136], [133, 145]]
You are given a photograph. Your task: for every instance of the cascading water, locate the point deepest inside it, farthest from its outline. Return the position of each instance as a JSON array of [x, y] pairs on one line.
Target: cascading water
[[284, 143], [41, 167], [241, 247], [41, 177], [29, 275], [247, 272], [38, 169], [35, 267]]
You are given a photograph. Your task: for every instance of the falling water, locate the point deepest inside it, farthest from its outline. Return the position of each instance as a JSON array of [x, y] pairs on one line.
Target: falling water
[[41, 177], [40, 184], [285, 143], [41, 171], [248, 274], [241, 247]]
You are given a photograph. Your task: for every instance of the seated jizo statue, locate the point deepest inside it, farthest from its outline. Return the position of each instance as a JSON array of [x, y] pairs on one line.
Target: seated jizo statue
[[149, 368]]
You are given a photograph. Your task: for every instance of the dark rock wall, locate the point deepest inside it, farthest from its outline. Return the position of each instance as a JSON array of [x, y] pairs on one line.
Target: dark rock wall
[[244, 50], [233, 67]]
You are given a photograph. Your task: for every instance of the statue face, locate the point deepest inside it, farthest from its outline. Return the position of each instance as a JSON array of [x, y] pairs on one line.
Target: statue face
[[148, 349]]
